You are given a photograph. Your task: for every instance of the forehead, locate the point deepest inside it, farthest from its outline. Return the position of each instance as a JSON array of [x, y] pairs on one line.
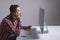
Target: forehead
[[18, 8]]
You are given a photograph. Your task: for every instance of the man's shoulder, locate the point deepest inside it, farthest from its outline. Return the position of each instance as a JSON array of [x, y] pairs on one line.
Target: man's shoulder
[[7, 18]]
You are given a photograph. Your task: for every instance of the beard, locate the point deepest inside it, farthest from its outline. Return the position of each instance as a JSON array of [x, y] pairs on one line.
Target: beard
[[17, 16]]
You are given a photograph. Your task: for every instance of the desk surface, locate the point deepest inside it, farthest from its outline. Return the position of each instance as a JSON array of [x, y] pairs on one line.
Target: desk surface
[[33, 34]]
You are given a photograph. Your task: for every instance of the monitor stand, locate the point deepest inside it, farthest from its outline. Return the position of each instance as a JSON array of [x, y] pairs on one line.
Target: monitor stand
[[44, 30]]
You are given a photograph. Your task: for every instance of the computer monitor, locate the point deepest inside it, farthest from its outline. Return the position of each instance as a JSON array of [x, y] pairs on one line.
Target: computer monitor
[[42, 23], [41, 19]]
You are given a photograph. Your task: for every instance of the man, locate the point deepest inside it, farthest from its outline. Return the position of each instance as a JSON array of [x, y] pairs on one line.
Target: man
[[10, 26]]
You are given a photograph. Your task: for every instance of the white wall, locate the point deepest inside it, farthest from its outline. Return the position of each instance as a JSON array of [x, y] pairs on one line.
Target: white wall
[[52, 11], [30, 10]]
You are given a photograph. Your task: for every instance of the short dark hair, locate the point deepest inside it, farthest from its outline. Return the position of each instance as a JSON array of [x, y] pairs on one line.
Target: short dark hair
[[13, 8]]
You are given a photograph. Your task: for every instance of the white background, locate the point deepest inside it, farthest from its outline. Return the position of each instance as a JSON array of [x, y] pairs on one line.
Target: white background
[[30, 10]]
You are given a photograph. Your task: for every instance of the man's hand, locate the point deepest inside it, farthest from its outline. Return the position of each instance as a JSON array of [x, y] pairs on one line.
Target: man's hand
[[29, 27], [26, 27]]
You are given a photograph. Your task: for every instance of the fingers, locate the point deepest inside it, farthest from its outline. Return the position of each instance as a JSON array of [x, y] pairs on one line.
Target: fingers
[[29, 27]]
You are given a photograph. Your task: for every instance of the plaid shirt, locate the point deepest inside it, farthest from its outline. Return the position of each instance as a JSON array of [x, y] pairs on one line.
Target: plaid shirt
[[7, 27]]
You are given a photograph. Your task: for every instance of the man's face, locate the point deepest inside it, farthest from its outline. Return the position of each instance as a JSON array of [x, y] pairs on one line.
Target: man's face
[[18, 12]]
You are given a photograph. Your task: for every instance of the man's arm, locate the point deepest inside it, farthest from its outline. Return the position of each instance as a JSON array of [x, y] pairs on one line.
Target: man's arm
[[26, 27], [12, 27]]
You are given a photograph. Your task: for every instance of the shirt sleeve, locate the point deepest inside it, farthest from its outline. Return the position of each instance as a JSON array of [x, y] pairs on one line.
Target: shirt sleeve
[[10, 27]]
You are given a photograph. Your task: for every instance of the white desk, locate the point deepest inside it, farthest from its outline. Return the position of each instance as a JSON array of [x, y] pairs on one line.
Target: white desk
[[53, 34], [30, 35]]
